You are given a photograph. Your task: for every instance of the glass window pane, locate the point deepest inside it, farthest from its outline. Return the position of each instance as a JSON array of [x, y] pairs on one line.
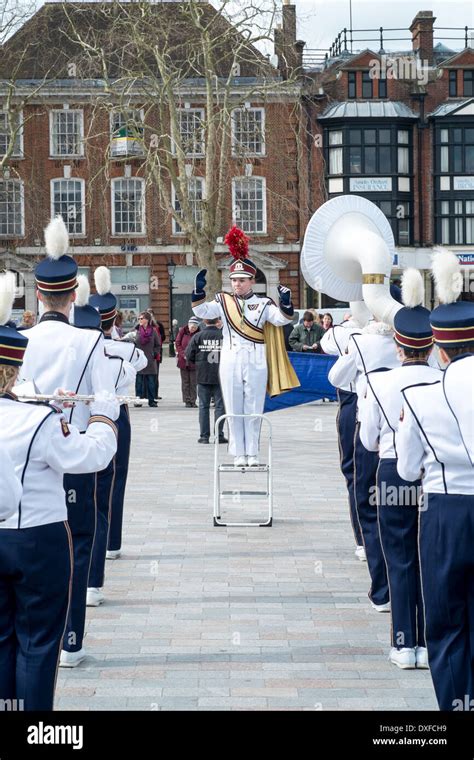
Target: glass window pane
[[385, 163], [403, 136], [457, 135], [403, 161], [457, 158], [469, 156], [335, 137], [386, 207], [445, 207], [458, 207], [335, 161], [68, 203], [469, 135], [369, 136], [444, 158], [354, 136], [248, 134], [370, 161], [445, 231], [384, 136], [444, 135], [469, 230], [382, 88], [458, 231], [11, 208], [469, 207], [355, 166], [249, 209], [404, 232]]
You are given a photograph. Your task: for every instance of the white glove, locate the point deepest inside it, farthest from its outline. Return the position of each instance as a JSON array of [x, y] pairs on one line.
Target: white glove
[[105, 404]]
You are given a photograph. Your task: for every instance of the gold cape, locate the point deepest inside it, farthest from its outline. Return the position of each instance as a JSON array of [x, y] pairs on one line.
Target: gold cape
[[281, 375]]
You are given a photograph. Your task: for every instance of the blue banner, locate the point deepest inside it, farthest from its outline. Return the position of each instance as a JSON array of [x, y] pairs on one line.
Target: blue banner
[[312, 371]]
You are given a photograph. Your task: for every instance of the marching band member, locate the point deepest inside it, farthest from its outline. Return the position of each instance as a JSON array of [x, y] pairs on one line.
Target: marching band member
[[111, 482], [435, 441], [335, 342], [35, 541], [243, 365], [397, 500], [60, 355], [374, 349]]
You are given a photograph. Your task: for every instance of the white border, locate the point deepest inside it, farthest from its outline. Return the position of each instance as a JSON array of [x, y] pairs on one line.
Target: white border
[[81, 133], [264, 189], [243, 152], [83, 202], [112, 208]]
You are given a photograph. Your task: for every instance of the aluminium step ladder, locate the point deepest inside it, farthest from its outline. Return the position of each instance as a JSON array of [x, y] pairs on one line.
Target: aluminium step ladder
[[220, 469]]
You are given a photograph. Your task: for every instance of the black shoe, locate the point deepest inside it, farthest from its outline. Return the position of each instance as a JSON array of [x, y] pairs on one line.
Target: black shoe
[[160, 398], [223, 439], [203, 439], [153, 405]]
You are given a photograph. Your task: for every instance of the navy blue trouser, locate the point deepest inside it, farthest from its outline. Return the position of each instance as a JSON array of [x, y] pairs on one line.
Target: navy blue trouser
[[35, 573], [447, 576], [121, 472], [146, 386], [346, 425], [365, 471], [103, 492], [398, 523], [205, 393], [82, 516]]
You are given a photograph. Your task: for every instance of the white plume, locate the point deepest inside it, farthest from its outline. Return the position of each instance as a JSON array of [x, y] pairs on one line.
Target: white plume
[[56, 238], [446, 271], [83, 291], [7, 296], [377, 328], [413, 289], [102, 280]]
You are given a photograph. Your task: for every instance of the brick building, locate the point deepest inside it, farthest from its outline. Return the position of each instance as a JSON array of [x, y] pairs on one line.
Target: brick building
[[398, 129], [80, 160]]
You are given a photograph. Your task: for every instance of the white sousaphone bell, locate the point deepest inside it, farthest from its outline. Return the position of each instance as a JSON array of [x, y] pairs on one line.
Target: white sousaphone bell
[[348, 253]]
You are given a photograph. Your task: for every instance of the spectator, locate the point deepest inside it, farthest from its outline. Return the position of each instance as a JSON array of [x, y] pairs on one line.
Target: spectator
[[118, 324], [159, 328], [327, 321], [148, 341], [28, 320], [306, 337], [186, 368], [204, 351]]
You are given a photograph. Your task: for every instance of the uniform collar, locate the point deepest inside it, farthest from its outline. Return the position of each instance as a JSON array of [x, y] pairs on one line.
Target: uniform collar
[[461, 356], [108, 337], [9, 395], [248, 295], [418, 362], [54, 316]]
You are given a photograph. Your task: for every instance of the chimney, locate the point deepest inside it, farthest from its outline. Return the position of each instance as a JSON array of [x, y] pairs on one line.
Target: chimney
[[288, 49], [422, 35]]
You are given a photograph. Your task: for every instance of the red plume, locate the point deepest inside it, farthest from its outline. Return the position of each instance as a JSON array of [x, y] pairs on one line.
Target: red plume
[[237, 243]]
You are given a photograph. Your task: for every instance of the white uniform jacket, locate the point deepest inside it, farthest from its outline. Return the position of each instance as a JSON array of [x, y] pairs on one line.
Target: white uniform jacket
[[60, 355], [365, 353], [436, 434], [126, 361], [10, 486], [380, 414], [335, 341], [42, 447]]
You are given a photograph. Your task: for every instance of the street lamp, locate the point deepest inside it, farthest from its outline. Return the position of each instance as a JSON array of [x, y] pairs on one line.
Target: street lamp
[[171, 267]]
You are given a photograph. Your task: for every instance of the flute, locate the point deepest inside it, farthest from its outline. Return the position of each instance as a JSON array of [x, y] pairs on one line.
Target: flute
[[78, 398]]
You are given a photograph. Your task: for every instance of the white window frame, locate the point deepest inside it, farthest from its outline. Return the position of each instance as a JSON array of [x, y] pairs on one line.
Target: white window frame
[[237, 219], [237, 148], [175, 224], [143, 209], [203, 143], [83, 202], [20, 153], [12, 235], [141, 113], [52, 113]]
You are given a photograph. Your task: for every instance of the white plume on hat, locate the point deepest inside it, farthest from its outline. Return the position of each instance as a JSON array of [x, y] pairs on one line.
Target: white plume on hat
[[7, 296], [56, 238], [446, 271], [103, 282], [413, 289], [83, 291]]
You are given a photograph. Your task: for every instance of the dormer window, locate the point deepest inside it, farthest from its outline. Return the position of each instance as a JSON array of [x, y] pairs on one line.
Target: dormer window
[[453, 84], [367, 85], [351, 78], [468, 79]]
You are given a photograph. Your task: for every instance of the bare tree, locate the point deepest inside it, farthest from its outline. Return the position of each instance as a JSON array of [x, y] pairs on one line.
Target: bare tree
[[154, 59]]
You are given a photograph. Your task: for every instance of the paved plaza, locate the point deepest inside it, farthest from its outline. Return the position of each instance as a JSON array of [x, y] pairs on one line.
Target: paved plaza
[[199, 617]]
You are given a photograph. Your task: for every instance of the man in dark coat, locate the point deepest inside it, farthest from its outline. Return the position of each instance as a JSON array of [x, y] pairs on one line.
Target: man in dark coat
[[306, 337], [204, 351]]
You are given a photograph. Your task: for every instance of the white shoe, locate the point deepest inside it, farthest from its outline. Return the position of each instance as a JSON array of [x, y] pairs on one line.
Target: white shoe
[[113, 554], [381, 607], [240, 461], [95, 597], [71, 659], [421, 654], [253, 462], [404, 658], [360, 553]]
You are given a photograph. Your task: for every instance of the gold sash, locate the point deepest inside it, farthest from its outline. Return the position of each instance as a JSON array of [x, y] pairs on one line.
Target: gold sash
[[238, 321], [281, 375]]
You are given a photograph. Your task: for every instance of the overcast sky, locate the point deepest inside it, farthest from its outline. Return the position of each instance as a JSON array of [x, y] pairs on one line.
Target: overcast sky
[[319, 21]]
